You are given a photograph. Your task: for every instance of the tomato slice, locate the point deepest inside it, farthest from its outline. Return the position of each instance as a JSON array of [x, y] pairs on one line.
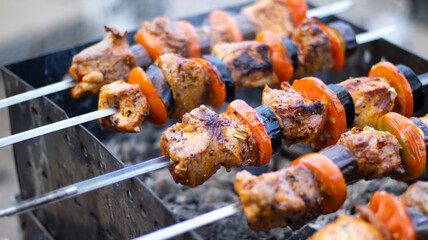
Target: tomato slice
[[229, 22], [392, 213], [217, 88], [190, 32], [336, 48], [282, 64], [316, 90], [250, 116], [150, 43], [413, 151], [158, 114], [329, 177], [297, 11], [404, 102]]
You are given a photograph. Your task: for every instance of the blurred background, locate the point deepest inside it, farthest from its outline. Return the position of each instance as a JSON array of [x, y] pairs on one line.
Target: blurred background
[[33, 27]]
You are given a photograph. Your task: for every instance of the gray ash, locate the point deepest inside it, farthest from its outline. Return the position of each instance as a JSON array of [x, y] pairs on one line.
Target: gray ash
[[186, 202]]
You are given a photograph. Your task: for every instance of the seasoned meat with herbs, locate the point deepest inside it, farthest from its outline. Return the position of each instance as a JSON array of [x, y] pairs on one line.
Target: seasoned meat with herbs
[[249, 63], [203, 142], [131, 103], [105, 62], [416, 196], [373, 98], [187, 79], [314, 48], [301, 120], [377, 152], [272, 15], [169, 37], [349, 228], [288, 197]]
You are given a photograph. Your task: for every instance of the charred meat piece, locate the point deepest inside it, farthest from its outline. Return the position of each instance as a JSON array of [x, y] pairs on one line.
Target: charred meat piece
[[349, 228], [249, 63], [169, 37], [377, 152], [288, 197], [301, 119], [270, 15], [416, 196], [187, 79], [314, 48], [103, 63], [203, 142], [373, 98], [132, 104]]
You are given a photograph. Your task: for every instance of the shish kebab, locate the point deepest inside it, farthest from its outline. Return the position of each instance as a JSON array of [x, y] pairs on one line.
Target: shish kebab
[[112, 58], [315, 184], [203, 127], [385, 217], [240, 65]]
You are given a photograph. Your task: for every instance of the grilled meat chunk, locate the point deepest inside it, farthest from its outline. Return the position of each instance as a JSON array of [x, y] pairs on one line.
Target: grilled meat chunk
[[288, 197], [249, 63], [170, 38], [377, 152], [105, 62], [272, 15], [416, 196], [218, 32], [314, 48], [203, 142], [373, 98], [187, 79], [349, 228], [132, 104], [301, 120]]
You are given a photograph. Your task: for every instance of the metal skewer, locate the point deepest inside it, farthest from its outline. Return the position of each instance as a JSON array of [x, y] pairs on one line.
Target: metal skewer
[[361, 38], [100, 181], [43, 91], [320, 12], [330, 9], [193, 223], [22, 136], [373, 34], [86, 186]]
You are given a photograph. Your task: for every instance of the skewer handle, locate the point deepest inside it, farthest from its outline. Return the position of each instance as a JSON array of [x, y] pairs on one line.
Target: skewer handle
[[46, 90], [22, 136], [330, 9], [85, 186], [193, 223]]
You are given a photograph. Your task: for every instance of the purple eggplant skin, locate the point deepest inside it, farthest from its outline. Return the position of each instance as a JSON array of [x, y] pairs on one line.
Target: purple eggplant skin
[[161, 86], [419, 222], [141, 55], [272, 126], [423, 127], [344, 160], [225, 75], [204, 41], [291, 51], [346, 99], [348, 35], [416, 86], [246, 26]]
